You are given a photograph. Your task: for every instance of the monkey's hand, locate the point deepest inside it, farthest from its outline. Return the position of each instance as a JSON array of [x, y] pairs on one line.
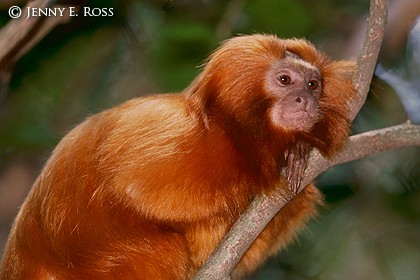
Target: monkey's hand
[[297, 161]]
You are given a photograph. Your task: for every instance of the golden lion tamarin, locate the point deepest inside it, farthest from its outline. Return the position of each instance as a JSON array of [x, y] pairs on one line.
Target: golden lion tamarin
[[146, 190]]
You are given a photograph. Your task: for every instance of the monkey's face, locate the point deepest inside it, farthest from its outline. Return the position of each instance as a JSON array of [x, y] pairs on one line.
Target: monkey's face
[[294, 86]]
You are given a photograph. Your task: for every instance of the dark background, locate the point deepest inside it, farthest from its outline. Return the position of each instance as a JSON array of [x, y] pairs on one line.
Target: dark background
[[371, 226]]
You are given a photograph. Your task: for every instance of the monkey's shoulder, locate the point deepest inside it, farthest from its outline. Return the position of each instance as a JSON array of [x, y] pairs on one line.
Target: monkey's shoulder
[[143, 126], [156, 117]]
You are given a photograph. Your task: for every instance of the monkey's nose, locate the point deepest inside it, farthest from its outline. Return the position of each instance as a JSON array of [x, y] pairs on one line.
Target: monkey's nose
[[303, 103]]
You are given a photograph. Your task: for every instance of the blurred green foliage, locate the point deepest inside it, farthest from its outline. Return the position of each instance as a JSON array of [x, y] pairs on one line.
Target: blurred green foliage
[[281, 17], [371, 227]]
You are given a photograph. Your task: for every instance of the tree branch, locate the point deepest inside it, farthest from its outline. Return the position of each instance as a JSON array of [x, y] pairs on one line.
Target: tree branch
[[21, 34], [366, 62], [363, 145], [263, 208]]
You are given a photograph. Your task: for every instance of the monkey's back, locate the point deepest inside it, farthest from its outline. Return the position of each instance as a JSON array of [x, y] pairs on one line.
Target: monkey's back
[[119, 190]]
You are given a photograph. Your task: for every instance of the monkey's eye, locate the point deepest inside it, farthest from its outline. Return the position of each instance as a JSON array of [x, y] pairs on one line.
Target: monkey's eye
[[313, 84], [285, 79]]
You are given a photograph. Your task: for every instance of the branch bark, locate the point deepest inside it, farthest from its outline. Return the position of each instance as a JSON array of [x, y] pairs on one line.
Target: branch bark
[[366, 62], [263, 208], [21, 34]]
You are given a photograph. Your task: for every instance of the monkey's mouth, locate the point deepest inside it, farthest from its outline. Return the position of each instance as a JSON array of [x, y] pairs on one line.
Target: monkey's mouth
[[301, 120], [302, 115], [292, 118]]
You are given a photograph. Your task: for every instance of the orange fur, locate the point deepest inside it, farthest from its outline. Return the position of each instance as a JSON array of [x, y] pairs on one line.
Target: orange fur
[[146, 190]]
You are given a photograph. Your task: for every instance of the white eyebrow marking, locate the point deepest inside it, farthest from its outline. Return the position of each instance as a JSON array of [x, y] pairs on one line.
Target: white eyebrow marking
[[298, 60], [306, 64]]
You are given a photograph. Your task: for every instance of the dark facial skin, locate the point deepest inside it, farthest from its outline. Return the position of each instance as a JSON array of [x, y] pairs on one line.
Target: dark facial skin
[[295, 86]]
